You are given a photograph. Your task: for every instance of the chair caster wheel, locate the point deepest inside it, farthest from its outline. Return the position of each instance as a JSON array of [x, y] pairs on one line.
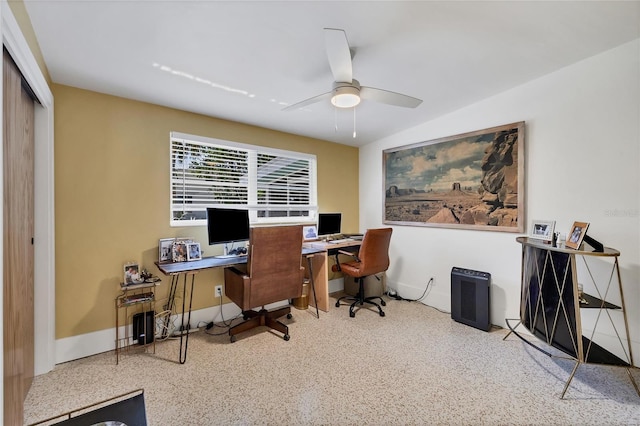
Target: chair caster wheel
[[352, 314], [383, 303], [286, 337], [337, 304], [289, 316], [233, 339], [381, 313]]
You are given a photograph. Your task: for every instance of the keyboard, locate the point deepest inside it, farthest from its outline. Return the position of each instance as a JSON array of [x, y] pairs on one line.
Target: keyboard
[[343, 240], [228, 256]]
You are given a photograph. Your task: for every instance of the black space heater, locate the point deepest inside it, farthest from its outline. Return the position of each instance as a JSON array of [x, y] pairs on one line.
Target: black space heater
[[143, 327], [470, 297]]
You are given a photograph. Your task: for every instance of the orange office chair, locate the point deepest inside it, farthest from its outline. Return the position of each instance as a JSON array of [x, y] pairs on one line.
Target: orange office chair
[[372, 258], [274, 273]]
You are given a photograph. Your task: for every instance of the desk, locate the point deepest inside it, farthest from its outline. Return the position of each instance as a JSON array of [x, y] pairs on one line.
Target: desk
[[319, 267], [186, 269]]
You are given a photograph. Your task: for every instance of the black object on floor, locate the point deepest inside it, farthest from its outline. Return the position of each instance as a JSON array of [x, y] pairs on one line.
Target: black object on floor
[[470, 301]]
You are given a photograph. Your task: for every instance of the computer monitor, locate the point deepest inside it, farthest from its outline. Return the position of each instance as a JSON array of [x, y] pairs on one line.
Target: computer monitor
[[227, 225], [329, 223]]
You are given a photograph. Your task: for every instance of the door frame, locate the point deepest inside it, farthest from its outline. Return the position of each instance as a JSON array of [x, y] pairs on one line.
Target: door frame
[[44, 214]]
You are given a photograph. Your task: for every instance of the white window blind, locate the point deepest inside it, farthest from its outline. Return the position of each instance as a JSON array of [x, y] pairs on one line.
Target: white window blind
[[276, 186]]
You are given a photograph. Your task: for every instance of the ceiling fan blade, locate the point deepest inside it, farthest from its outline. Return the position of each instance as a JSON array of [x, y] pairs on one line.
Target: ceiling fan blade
[[339, 54], [308, 101], [387, 97]]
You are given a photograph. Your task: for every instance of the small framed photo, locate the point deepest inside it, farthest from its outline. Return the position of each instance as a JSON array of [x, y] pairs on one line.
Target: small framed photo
[[193, 251], [132, 274], [179, 251], [542, 229], [576, 235], [310, 232], [165, 248]]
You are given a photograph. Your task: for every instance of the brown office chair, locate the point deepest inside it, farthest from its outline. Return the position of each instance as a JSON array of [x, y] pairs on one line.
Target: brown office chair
[[372, 258], [273, 274]]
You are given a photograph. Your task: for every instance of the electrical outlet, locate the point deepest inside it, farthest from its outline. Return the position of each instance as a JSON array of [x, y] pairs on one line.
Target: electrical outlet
[[218, 291]]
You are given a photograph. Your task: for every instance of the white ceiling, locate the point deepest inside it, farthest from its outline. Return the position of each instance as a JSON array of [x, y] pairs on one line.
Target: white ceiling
[[245, 61]]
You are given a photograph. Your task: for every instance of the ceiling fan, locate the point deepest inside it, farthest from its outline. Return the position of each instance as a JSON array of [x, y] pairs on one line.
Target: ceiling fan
[[347, 92]]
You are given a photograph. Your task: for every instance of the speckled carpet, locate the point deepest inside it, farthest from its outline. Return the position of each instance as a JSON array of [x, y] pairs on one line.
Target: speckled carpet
[[415, 366]]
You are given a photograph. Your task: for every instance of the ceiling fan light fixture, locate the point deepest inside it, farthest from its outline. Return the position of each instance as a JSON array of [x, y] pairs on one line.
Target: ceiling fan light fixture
[[345, 97]]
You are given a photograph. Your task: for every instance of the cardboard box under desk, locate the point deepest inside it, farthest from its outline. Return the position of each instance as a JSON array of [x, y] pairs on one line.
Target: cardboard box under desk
[[372, 285]]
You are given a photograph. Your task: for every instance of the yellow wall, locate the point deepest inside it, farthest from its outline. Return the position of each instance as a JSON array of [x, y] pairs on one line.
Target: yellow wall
[[112, 196]]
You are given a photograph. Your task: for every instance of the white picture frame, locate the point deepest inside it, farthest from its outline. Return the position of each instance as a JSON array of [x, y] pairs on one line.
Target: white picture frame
[[310, 232], [165, 249], [542, 229], [132, 274], [193, 251]]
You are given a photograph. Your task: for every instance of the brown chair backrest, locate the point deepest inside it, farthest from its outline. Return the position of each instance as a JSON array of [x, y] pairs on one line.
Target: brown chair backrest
[[274, 264], [374, 251]]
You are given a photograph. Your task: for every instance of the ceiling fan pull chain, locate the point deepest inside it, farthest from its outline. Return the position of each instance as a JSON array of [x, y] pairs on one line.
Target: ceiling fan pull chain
[[354, 122], [335, 119]]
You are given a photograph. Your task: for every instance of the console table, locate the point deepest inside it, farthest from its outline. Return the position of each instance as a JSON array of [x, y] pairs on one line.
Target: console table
[[552, 309]]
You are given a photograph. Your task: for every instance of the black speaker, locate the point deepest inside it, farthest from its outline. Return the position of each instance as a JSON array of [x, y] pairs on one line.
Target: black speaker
[[143, 327], [470, 302]]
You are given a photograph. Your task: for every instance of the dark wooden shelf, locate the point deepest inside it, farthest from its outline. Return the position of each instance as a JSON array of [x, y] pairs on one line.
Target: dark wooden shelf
[[595, 303], [598, 355]]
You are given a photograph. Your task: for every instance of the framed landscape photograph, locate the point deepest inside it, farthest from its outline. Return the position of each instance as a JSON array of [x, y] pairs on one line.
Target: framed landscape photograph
[[473, 180], [576, 235], [542, 229]]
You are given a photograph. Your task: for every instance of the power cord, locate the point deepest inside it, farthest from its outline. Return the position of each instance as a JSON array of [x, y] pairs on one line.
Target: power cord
[[398, 297], [224, 324]]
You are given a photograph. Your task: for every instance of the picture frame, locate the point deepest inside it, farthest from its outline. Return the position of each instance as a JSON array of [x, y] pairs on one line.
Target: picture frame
[[542, 229], [193, 251], [131, 272], [576, 235], [179, 251], [310, 232], [165, 249], [472, 180]]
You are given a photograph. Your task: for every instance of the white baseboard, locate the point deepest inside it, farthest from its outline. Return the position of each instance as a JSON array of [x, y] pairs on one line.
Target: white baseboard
[[85, 345], [336, 285]]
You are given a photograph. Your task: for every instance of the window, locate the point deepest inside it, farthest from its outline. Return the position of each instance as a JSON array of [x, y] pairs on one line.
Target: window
[[276, 186]]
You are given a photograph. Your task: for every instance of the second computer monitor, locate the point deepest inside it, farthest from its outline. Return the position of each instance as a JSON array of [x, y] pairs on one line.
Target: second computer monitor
[[329, 223]]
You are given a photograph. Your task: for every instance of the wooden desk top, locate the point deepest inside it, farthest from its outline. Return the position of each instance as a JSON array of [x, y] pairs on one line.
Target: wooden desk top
[[197, 265], [323, 245], [215, 262]]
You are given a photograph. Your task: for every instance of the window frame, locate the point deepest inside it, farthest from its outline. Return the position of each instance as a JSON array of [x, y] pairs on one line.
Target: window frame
[[252, 204]]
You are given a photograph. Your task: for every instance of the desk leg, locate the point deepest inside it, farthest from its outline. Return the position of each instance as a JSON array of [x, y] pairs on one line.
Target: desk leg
[[320, 282], [171, 300], [184, 334], [313, 286]]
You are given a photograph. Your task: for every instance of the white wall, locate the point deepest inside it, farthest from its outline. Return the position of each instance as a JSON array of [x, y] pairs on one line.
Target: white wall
[[582, 138]]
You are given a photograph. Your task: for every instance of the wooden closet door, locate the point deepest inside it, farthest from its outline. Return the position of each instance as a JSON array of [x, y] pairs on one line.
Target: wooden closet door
[[18, 154]]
